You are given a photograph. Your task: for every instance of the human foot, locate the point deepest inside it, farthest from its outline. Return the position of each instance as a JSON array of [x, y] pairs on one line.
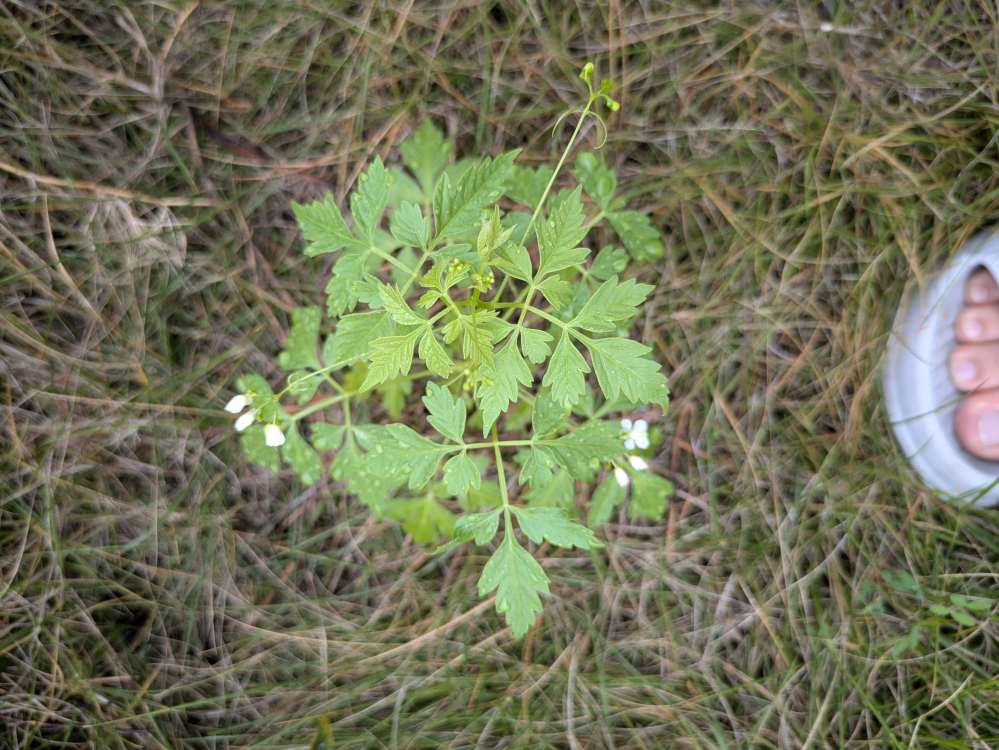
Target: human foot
[[974, 367]]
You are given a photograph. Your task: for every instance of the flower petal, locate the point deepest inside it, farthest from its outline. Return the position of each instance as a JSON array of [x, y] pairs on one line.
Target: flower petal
[[273, 436], [245, 421], [236, 404], [625, 424], [638, 463]]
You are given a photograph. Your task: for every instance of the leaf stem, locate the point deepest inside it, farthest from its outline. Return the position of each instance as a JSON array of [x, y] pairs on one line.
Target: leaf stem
[[501, 477]]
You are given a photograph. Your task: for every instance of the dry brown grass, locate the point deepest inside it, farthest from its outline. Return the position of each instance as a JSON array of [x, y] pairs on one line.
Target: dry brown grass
[[156, 591]]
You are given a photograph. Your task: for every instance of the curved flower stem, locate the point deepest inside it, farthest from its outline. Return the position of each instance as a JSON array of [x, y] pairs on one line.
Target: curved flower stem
[[533, 285]]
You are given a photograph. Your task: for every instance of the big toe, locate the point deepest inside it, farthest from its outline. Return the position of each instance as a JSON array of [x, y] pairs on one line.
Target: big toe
[[977, 424]]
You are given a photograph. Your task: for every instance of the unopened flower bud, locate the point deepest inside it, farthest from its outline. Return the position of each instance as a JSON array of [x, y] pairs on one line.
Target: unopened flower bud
[[621, 476]]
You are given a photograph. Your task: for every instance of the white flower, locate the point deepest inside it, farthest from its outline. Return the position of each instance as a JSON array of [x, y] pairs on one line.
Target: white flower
[[636, 434], [245, 421], [237, 404], [621, 476], [273, 436], [638, 463]]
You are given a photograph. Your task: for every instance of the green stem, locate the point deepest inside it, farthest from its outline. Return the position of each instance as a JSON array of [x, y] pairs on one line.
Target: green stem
[[501, 478], [345, 395], [546, 316], [320, 405], [533, 285], [415, 274]]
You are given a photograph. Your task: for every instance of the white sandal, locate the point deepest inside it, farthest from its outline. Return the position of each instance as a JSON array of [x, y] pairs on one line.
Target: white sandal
[[921, 399]]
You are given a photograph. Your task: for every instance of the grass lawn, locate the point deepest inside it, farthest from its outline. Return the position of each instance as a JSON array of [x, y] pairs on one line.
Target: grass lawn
[[805, 161]]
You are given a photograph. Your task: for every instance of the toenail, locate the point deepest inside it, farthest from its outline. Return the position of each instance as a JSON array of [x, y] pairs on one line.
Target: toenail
[[964, 370], [988, 428], [973, 329], [978, 294]]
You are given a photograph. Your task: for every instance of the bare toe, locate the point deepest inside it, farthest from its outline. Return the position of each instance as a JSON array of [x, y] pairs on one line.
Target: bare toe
[[973, 366], [981, 289], [977, 424], [977, 324]]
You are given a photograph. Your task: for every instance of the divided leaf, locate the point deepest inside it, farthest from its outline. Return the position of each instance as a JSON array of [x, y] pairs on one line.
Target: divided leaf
[[536, 466], [535, 344], [456, 209], [527, 186], [491, 235], [406, 454], [424, 518], [596, 179], [348, 273], [638, 235], [517, 577], [371, 487], [481, 527], [433, 354], [425, 153], [397, 306], [612, 301], [460, 473], [300, 455], [303, 338], [565, 372], [514, 260], [609, 261], [391, 357], [555, 525], [368, 204], [605, 500], [560, 492], [547, 416], [560, 235], [326, 436], [403, 188], [477, 342], [590, 445], [393, 396], [621, 367], [501, 383], [649, 494], [447, 414], [557, 292], [355, 333], [410, 226], [323, 226]]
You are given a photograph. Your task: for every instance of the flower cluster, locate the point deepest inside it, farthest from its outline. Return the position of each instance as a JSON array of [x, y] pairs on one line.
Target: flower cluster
[[636, 435], [272, 433]]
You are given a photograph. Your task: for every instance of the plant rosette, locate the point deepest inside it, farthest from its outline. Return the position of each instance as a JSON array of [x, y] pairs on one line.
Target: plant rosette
[[488, 302]]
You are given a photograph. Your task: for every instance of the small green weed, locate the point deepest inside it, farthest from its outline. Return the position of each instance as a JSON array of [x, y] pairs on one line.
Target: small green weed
[[478, 294]]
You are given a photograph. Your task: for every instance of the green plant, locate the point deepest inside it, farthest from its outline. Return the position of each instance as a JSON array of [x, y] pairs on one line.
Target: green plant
[[475, 326]]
